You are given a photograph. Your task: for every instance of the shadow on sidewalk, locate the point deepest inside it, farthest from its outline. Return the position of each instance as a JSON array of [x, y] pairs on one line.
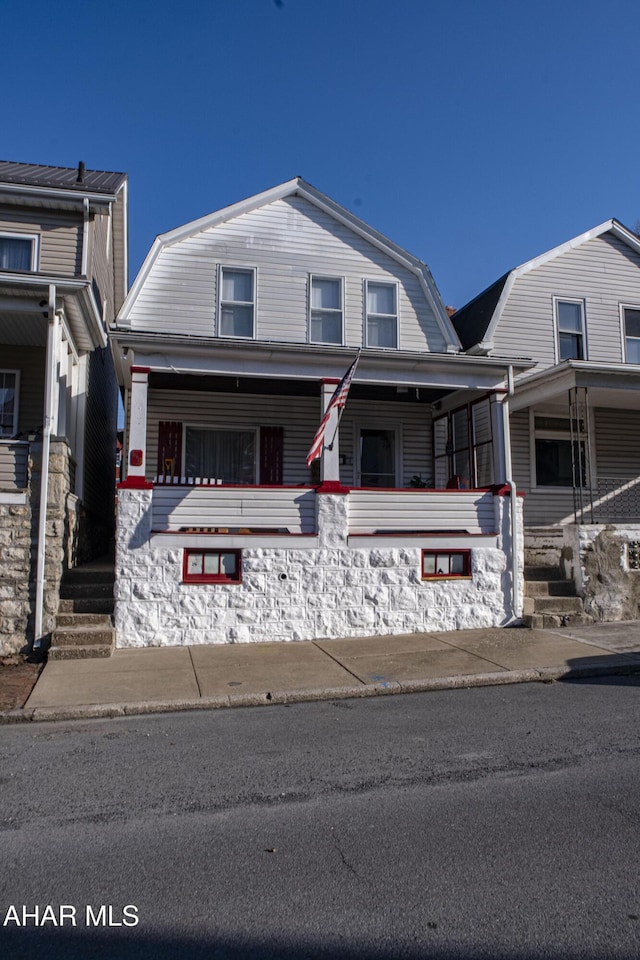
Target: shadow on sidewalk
[[616, 669]]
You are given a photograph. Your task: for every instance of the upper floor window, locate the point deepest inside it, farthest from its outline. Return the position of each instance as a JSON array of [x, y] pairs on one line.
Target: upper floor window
[[325, 319], [382, 314], [570, 327], [631, 323], [237, 302], [17, 252], [8, 403]]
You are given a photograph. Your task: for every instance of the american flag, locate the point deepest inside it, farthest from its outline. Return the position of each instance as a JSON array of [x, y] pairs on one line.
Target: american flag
[[338, 400]]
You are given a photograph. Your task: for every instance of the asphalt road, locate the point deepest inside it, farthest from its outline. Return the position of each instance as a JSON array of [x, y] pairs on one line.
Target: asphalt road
[[495, 822]]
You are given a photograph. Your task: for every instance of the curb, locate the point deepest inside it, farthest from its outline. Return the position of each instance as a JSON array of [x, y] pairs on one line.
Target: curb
[[626, 665]]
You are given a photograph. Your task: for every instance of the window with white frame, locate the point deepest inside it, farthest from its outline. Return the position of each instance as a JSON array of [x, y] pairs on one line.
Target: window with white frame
[[631, 331], [9, 381], [325, 310], [237, 302], [382, 314], [228, 456], [17, 252], [560, 460], [570, 329]]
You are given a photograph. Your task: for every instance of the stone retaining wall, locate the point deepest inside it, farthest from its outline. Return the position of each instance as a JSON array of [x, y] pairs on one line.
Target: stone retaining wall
[[299, 594]]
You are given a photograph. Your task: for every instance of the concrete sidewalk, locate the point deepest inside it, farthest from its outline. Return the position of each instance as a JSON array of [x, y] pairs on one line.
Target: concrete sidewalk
[[155, 679]]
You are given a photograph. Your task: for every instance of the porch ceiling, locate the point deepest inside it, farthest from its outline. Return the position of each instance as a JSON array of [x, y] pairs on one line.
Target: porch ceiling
[[268, 386], [609, 385]]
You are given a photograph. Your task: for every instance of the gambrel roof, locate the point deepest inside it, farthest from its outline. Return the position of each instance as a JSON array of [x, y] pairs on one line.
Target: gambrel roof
[[298, 187], [476, 322]]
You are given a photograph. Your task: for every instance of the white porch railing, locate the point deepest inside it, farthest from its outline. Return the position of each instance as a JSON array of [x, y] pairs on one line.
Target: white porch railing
[[13, 464], [234, 509], [416, 511]]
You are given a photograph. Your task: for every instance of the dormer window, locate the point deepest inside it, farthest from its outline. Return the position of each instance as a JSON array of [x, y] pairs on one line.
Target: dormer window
[[17, 252], [325, 320], [570, 327], [237, 303], [382, 314]]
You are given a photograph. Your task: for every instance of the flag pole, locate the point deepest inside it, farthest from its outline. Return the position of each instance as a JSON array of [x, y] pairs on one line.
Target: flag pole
[[342, 408]]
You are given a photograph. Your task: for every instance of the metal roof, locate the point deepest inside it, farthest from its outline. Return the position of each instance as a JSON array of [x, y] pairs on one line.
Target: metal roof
[[61, 178]]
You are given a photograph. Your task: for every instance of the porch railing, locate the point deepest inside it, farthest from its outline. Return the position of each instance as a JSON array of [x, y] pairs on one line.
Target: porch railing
[[615, 498], [234, 509], [13, 464], [417, 511]]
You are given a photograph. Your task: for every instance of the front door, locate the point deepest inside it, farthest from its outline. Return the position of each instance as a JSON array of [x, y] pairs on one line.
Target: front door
[[377, 457]]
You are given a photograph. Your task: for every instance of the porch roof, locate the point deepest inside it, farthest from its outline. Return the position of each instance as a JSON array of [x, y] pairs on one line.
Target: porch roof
[[268, 360], [605, 381]]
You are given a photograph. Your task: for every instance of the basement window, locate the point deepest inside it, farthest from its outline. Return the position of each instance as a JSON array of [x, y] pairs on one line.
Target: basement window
[[633, 555], [446, 564], [211, 566]]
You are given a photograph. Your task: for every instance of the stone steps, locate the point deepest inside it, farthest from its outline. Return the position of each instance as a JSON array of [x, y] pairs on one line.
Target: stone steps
[[84, 626], [550, 600]]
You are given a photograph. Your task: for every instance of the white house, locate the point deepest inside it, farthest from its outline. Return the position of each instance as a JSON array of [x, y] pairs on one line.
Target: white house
[[575, 414], [228, 348]]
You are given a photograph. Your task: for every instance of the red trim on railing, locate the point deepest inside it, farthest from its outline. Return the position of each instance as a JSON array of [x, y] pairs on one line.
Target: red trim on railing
[[135, 369], [332, 486], [504, 490], [237, 486], [135, 483]]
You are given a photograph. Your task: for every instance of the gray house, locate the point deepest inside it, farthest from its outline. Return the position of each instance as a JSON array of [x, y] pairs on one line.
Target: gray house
[[575, 415], [63, 277]]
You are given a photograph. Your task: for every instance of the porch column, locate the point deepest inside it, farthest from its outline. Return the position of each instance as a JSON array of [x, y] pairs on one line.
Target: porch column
[[137, 459], [501, 439], [330, 466]]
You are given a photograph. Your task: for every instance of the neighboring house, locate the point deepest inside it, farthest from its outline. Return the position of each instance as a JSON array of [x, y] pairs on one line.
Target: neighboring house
[[62, 279], [228, 347], [575, 416]]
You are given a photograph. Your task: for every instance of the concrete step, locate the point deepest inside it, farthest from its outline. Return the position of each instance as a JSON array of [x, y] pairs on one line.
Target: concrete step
[[550, 621], [90, 573], [550, 588], [560, 606], [92, 651], [542, 573], [86, 605], [81, 618], [82, 588], [82, 634]]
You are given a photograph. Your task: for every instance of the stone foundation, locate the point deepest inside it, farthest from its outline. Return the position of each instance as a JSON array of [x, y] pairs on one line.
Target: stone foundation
[[597, 557], [289, 593], [18, 542]]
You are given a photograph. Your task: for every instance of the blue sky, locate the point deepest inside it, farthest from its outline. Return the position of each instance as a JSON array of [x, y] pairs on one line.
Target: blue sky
[[474, 133]]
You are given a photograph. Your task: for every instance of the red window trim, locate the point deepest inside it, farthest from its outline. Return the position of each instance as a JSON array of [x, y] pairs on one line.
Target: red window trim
[[210, 577], [429, 552]]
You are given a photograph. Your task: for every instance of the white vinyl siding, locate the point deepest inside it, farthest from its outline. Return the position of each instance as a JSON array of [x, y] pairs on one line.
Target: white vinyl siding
[[603, 272], [59, 235], [288, 240], [300, 417], [30, 362]]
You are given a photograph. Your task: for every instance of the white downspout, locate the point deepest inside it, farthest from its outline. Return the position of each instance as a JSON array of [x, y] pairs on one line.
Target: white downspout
[[49, 382], [508, 479], [85, 238]]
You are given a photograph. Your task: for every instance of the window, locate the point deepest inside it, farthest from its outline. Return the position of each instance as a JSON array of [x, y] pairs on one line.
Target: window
[[237, 303], [560, 462], [9, 384], [212, 566], [631, 320], [570, 324], [382, 314], [463, 447], [225, 455], [17, 252], [446, 564], [325, 319]]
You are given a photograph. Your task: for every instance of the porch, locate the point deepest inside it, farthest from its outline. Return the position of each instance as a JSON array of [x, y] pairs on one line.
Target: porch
[[191, 507]]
